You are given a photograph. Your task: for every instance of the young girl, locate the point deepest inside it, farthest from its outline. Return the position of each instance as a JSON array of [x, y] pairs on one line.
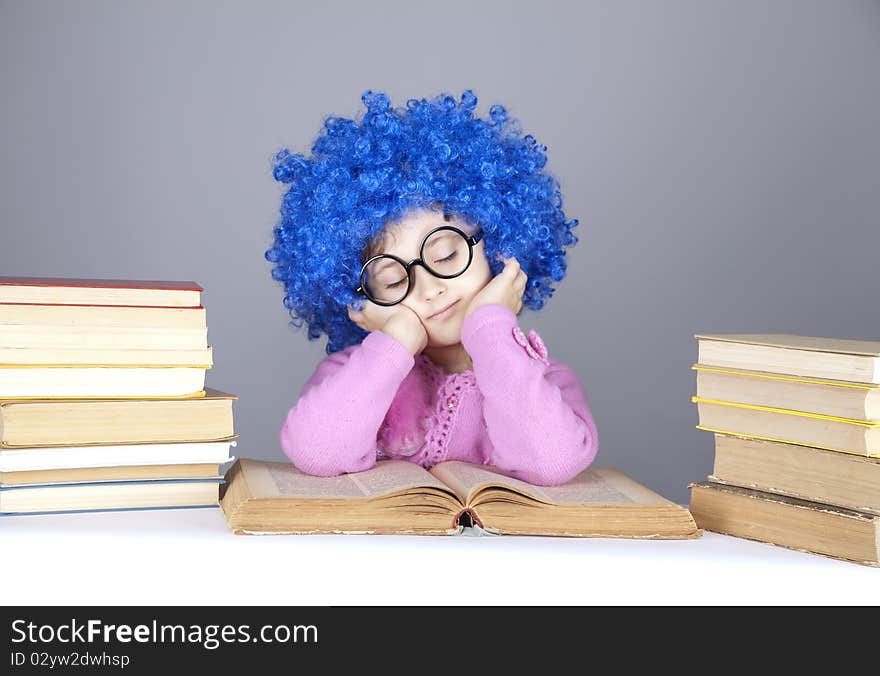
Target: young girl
[[413, 238]]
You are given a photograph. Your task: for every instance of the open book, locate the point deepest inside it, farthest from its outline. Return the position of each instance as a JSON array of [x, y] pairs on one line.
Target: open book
[[400, 497]]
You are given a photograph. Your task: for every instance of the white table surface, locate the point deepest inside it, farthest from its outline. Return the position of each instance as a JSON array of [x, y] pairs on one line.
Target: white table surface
[[188, 557]]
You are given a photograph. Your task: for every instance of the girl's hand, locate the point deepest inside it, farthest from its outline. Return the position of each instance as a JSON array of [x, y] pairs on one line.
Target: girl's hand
[[506, 288], [398, 321]]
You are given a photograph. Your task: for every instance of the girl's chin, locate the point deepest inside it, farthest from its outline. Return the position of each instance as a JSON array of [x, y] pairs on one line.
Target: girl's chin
[[445, 340], [444, 334]]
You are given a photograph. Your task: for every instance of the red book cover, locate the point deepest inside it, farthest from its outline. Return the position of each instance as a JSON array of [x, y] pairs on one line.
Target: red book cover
[[101, 283]]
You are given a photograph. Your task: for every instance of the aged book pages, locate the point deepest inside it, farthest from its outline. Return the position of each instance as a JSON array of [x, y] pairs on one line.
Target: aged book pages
[[279, 479], [121, 473], [788, 522], [70, 422], [804, 472], [103, 315], [600, 502], [395, 496], [854, 361], [47, 356], [49, 290], [57, 336], [810, 395], [402, 497], [870, 348], [108, 496], [127, 455], [104, 382], [809, 429]]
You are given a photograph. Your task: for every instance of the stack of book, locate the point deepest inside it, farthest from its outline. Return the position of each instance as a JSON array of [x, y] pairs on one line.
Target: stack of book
[[796, 421], [103, 403]]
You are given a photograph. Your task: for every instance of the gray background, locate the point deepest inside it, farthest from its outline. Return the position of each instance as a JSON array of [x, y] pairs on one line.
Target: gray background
[[723, 159]]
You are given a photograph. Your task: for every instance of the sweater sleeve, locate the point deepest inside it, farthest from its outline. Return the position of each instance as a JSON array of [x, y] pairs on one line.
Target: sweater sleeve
[[536, 410], [332, 428]]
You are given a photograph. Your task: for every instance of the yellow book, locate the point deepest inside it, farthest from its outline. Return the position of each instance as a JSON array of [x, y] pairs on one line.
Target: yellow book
[[793, 427], [839, 399]]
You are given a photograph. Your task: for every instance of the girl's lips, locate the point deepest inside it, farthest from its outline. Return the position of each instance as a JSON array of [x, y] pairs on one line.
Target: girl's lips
[[444, 312]]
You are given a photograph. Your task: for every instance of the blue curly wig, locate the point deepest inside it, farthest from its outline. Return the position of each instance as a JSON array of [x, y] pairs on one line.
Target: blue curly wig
[[433, 154]]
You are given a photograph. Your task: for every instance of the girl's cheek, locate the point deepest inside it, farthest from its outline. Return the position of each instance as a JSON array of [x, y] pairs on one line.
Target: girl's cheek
[[481, 281], [413, 308]]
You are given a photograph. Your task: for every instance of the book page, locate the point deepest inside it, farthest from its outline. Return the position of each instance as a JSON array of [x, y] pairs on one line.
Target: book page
[[284, 480], [870, 348], [592, 486]]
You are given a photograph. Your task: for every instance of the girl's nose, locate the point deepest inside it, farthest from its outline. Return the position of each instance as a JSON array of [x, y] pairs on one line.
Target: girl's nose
[[427, 286]]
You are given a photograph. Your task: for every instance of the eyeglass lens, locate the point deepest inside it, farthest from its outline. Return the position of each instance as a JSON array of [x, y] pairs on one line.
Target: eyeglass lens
[[445, 253]]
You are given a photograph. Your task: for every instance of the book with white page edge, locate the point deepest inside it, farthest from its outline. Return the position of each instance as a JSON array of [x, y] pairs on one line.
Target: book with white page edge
[[100, 381], [809, 356], [111, 495], [70, 457]]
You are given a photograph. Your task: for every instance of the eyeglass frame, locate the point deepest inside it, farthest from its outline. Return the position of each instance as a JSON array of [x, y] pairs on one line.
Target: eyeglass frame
[[471, 240]]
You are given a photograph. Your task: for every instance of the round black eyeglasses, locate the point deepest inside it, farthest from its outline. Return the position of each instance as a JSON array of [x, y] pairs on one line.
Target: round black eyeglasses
[[445, 252]]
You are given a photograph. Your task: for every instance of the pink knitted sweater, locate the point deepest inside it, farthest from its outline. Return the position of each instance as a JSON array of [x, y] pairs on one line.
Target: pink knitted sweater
[[517, 410]]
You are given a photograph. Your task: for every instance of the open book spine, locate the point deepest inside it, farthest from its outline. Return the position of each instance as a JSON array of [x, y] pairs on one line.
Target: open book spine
[[465, 518]]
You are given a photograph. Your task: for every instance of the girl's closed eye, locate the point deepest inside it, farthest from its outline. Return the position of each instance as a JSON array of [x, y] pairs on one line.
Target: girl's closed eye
[[395, 285], [389, 279], [447, 259]]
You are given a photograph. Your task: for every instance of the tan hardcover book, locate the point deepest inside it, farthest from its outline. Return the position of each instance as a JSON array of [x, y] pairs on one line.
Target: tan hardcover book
[[810, 395], [400, 497], [68, 291], [108, 495], [793, 427], [69, 382], [787, 522], [88, 474], [121, 455], [90, 357], [102, 316], [829, 358], [65, 422], [84, 337], [804, 472]]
